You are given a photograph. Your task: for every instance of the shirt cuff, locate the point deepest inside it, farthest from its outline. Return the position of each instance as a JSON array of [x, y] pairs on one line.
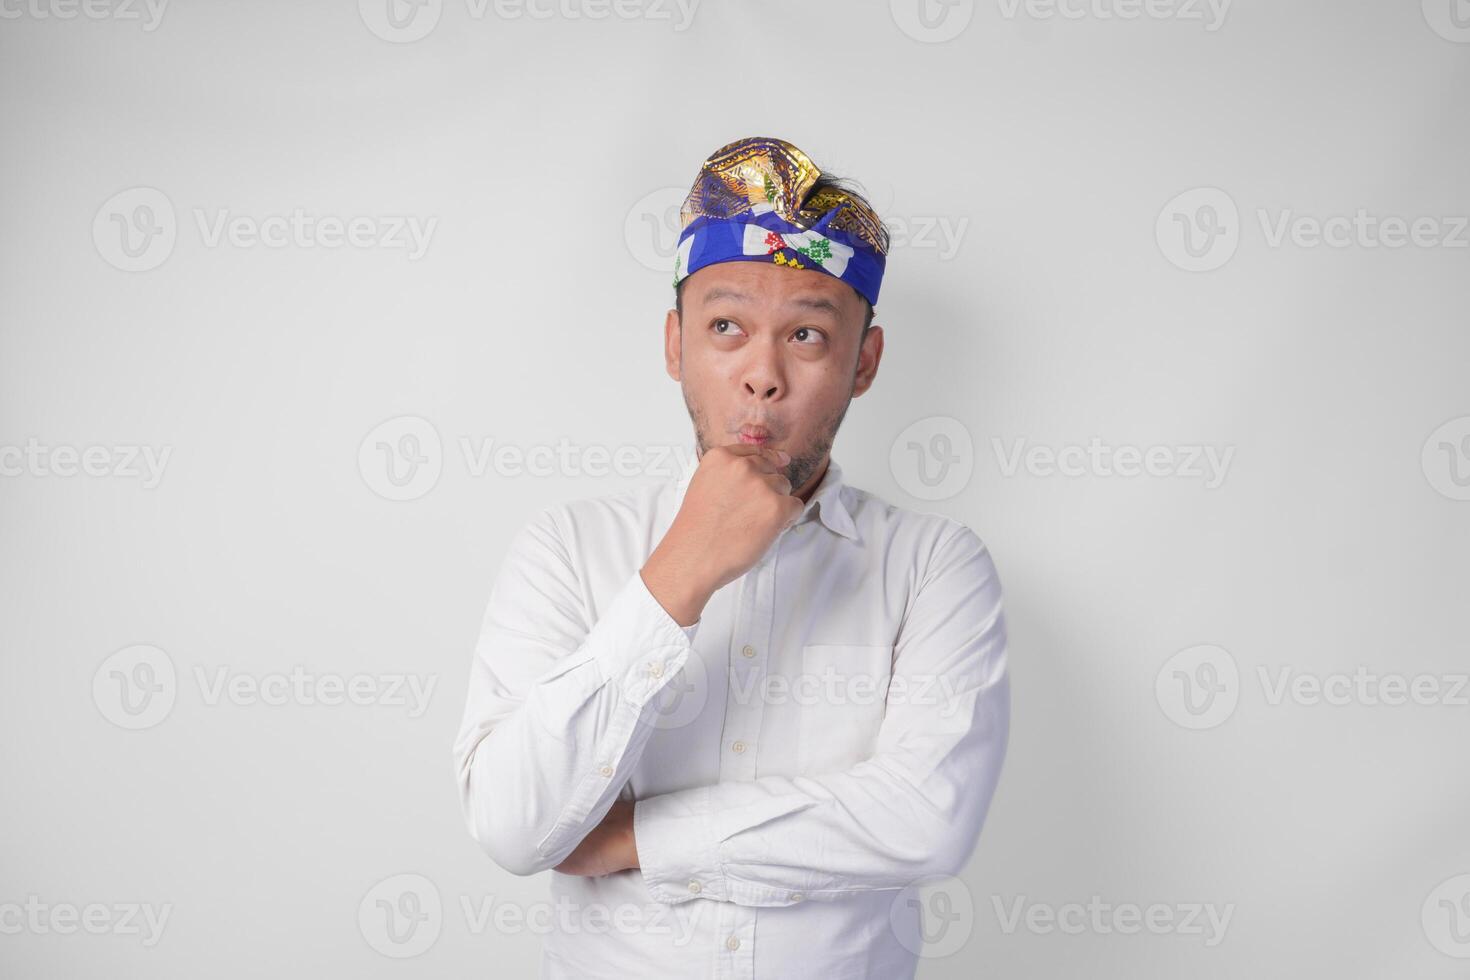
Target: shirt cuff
[[677, 850], [683, 837], [636, 643]]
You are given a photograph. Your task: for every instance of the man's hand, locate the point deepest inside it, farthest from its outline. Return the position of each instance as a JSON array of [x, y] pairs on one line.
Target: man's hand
[[609, 847], [736, 504]]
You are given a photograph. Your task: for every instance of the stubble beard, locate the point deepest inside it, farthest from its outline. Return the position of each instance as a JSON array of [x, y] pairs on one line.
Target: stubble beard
[[803, 464]]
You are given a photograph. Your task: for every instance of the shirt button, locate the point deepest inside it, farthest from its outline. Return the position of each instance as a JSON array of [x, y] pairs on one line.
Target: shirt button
[[606, 770], [657, 670], [694, 887], [738, 747], [797, 896], [747, 651], [732, 944]]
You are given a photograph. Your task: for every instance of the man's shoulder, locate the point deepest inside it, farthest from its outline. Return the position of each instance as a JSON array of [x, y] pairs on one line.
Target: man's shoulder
[[603, 513], [925, 548], [924, 529]]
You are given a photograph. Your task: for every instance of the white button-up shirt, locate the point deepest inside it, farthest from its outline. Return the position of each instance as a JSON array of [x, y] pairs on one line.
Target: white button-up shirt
[[828, 734]]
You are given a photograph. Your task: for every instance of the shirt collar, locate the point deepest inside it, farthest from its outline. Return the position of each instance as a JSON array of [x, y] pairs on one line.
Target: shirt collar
[[826, 503]]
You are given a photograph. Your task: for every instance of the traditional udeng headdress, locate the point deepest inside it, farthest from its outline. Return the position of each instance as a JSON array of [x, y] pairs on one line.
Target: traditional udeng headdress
[[752, 202]]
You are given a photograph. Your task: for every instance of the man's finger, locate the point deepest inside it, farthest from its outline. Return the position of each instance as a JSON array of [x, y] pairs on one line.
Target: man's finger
[[769, 460], [778, 457], [778, 482]]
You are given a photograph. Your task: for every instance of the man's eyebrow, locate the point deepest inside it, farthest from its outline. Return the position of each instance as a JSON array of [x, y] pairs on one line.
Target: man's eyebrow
[[806, 302], [722, 292], [816, 303]]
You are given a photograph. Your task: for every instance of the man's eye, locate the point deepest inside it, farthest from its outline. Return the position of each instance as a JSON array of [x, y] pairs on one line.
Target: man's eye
[[808, 335], [718, 325]]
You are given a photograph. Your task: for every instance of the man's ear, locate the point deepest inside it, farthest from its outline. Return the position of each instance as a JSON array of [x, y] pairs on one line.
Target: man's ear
[[672, 342], [868, 357]]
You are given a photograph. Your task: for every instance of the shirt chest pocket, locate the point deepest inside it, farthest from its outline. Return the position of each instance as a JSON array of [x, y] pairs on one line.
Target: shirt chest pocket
[[844, 688]]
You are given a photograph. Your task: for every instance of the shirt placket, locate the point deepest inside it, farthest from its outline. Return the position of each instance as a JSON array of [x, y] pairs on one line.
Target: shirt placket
[[749, 655]]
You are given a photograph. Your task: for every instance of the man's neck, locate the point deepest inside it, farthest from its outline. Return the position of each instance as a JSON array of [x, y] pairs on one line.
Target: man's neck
[[805, 492]]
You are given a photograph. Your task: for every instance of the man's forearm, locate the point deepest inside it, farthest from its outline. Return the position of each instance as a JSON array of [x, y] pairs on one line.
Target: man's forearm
[[608, 848], [676, 586]]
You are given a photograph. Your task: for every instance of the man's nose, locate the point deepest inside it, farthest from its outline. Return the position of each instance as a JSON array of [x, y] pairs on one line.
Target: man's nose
[[763, 381], [763, 375]]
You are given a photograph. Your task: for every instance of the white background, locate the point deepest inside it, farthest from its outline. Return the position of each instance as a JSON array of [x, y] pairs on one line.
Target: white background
[[1031, 160]]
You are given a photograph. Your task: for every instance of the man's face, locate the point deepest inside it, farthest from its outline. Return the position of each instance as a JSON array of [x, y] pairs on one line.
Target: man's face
[[769, 356]]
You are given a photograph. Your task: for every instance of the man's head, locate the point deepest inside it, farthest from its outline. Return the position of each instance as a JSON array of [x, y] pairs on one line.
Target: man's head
[[768, 342]]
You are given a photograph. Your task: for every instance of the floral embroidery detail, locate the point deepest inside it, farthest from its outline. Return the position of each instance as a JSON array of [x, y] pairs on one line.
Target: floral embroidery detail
[[817, 250]]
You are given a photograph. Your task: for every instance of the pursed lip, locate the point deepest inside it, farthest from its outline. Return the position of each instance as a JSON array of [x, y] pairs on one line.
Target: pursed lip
[[754, 435]]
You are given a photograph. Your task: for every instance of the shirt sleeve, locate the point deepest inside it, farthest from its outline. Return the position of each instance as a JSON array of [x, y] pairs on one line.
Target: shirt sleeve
[[912, 810], [558, 710]]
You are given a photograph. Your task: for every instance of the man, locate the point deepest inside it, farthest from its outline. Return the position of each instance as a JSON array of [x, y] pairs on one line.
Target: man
[[744, 714]]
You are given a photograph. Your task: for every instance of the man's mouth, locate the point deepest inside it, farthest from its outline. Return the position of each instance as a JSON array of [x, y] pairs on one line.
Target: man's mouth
[[754, 435]]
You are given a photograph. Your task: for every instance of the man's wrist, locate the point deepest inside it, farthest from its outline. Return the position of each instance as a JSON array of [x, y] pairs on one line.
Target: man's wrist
[[680, 593], [631, 842]]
